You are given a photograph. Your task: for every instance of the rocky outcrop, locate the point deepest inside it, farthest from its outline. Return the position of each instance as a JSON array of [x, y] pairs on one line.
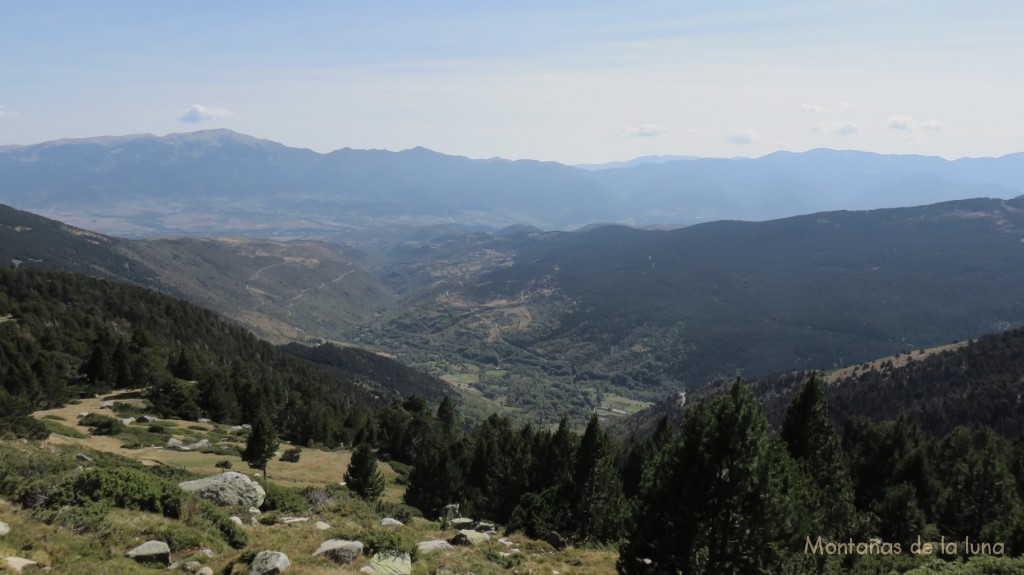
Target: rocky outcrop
[[389, 563], [151, 552], [557, 541], [178, 445], [19, 564], [434, 545], [228, 488], [269, 563], [340, 550], [470, 537], [388, 521], [462, 523]]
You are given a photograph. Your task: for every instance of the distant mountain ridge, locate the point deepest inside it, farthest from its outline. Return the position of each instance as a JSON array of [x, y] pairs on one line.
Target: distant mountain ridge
[[219, 182]]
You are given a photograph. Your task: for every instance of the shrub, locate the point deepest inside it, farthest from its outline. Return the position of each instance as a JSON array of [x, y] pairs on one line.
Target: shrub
[[223, 464], [102, 424], [119, 487], [292, 455], [156, 429], [398, 511], [285, 499]]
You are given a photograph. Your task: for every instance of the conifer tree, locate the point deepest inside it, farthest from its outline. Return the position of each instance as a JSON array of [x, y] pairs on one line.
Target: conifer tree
[[721, 500], [262, 442], [814, 444], [362, 475]]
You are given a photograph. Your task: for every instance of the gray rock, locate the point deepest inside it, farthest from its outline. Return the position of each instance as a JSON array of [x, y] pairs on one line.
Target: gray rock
[[151, 552], [202, 420], [484, 527], [228, 488], [462, 523], [205, 571], [323, 526], [449, 512], [128, 420], [82, 457], [340, 550], [177, 445], [191, 566], [389, 563], [290, 520], [147, 419], [205, 552], [269, 563], [17, 564], [470, 537], [236, 520], [434, 545], [4, 529], [557, 541], [392, 522]]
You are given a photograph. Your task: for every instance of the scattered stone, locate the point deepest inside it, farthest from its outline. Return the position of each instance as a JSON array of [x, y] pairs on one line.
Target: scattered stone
[[17, 564], [107, 404], [205, 552], [128, 420], [227, 489], [191, 566], [290, 520], [484, 527], [449, 512], [83, 414], [178, 445], [148, 419], [82, 457], [246, 426], [202, 420], [340, 550], [4, 529], [205, 571], [236, 520], [462, 523], [269, 563], [506, 542], [389, 563], [434, 545], [255, 511], [469, 537], [557, 541], [151, 552], [392, 522], [323, 526]]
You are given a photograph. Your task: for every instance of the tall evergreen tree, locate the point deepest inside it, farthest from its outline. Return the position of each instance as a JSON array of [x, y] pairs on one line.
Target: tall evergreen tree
[[813, 442], [362, 475], [262, 442], [721, 500]]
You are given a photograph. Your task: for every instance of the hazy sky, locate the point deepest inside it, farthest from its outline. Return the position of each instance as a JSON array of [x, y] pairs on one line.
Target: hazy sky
[[566, 81]]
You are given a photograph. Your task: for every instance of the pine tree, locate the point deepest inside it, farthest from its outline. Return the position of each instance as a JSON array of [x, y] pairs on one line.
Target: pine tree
[[721, 499], [262, 442], [814, 444], [362, 475]]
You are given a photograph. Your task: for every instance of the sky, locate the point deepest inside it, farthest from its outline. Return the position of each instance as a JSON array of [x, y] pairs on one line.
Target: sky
[[573, 82]]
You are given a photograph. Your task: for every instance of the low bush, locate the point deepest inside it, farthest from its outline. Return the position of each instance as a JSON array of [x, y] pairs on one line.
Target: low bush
[[223, 464], [102, 424], [286, 499], [292, 455]]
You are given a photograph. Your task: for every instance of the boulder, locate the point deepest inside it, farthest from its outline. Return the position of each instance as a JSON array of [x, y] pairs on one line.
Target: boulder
[[236, 520], [177, 445], [82, 457], [18, 564], [389, 563], [449, 512], [290, 520], [462, 523], [557, 541], [340, 550], [470, 537], [191, 566], [4, 529], [391, 522], [151, 552], [228, 488], [484, 527], [269, 563], [434, 545], [205, 571]]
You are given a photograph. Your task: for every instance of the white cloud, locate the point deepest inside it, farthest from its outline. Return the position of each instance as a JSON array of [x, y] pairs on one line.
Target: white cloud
[[906, 123], [199, 113], [815, 108], [741, 137], [5, 114], [837, 128], [643, 131]]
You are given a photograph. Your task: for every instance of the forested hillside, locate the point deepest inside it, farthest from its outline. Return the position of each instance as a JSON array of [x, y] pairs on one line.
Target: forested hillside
[[64, 336]]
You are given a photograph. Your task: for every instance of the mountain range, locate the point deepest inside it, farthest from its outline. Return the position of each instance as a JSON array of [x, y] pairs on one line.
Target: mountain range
[[219, 182]]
